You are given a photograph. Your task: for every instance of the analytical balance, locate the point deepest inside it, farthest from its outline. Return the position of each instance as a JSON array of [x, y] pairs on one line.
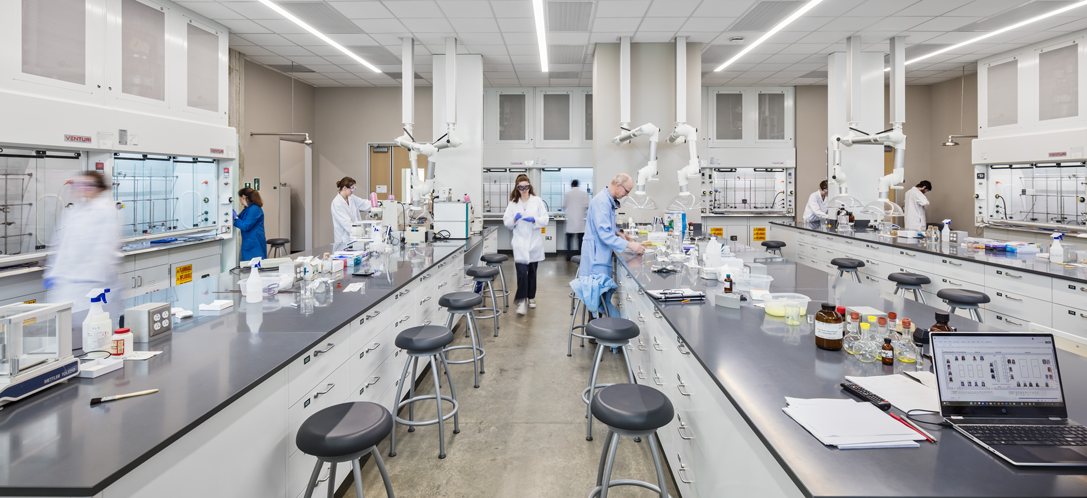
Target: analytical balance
[[35, 348]]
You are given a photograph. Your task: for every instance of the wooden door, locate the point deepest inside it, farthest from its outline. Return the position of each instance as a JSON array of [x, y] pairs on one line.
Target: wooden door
[[380, 171], [401, 162]]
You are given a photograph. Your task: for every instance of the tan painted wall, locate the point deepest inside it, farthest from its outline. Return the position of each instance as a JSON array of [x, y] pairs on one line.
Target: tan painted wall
[[268, 109], [811, 142], [952, 173], [348, 119]]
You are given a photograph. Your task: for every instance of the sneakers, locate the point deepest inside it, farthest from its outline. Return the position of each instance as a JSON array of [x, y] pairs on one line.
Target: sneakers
[[532, 303], [522, 307]]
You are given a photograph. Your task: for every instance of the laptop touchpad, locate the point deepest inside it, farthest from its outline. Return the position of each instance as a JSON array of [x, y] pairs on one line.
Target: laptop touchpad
[[1055, 454]]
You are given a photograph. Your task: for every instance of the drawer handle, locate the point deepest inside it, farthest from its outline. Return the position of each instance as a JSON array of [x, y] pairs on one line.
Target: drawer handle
[[402, 320], [657, 345], [628, 298], [373, 348], [680, 430], [426, 323], [641, 374], [376, 380], [1009, 274], [1012, 298], [683, 471], [640, 317], [322, 393], [657, 378], [403, 293], [374, 315], [830, 252], [680, 387], [1082, 289], [641, 292], [425, 300], [953, 283], [850, 242], [657, 314], [641, 345], [442, 284], [952, 263], [681, 348], [318, 352], [1081, 315], [908, 254], [1013, 323], [873, 263]]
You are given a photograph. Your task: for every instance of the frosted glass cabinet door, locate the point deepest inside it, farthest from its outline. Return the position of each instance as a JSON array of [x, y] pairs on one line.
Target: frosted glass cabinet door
[[729, 109], [1058, 83], [556, 117], [512, 117], [202, 68], [1003, 93], [54, 39], [771, 116], [143, 50]]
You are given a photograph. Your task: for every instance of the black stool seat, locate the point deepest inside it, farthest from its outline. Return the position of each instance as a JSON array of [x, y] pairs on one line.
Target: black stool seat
[[344, 429], [495, 258], [424, 338], [576, 259], [278, 242], [775, 244], [909, 278], [482, 271], [632, 407], [963, 296], [460, 300], [847, 263], [612, 329]]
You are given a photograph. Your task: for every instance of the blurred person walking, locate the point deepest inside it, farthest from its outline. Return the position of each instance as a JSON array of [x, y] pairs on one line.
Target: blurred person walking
[[525, 215], [251, 222], [575, 204]]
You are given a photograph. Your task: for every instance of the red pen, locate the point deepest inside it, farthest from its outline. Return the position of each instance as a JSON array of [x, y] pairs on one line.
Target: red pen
[[907, 424]]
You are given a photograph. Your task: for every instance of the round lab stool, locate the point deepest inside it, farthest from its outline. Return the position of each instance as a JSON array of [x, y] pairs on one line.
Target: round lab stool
[[964, 299], [428, 341], [905, 281], [279, 247], [496, 260], [464, 303], [609, 333], [636, 411], [486, 274], [773, 246], [848, 265], [580, 306], [345, 432]]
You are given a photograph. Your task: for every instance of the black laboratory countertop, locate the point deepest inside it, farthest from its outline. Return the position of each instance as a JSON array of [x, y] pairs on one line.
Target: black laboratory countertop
[[1027, 263], [757, 361], [56, 444]]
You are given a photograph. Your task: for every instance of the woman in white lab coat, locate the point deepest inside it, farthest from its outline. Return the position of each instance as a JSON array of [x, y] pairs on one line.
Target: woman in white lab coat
[[345, 210], [88, 251], [526, 215]]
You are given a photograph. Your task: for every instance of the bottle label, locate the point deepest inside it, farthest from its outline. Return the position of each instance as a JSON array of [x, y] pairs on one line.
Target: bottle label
[[118, 347], [886, 353], [829, 331]]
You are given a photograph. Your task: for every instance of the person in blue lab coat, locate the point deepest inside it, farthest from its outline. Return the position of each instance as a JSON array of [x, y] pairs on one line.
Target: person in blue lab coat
[[251, 222], [601, 235]]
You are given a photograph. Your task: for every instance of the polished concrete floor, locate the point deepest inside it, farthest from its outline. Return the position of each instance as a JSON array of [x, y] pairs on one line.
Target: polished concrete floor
[[523, 430]]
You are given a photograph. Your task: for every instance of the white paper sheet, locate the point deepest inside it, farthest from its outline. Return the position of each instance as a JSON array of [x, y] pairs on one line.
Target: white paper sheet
[[904, 393]]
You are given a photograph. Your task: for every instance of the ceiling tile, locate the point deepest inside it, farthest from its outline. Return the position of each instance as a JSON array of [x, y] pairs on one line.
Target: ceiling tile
[[768, 48], [836, 8], [481, 38], [281, 26], [290, 50], [723, 8], [944, 23], [520, 38], [698, 23], [535, 81], [242, 26], [897, 23], [487, 66], [786, 58], [516, 24], [662, 24], [616, 24], [567, 38], [672, 8], [700, 37], [623, 8], [237, 40], [952, 38], [488, 49], [607, 37], [427, 25], [826, 37], [849, 24], [266, 40], [878, 8], [475, 25], [524, 59], [211, 10], [307, 59], [270, 59], [354, 39], [382, 26], [253, 10], [806, 23], [496, 59], [322, 50], [413, 9], [362, 10], [303, 39], [523, 49], [932, 7], [252, 50], [652, 37], [466, 8], [511, 9]]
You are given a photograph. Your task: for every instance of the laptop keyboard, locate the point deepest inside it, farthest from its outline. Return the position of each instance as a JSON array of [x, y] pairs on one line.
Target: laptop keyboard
[[1038, 435]]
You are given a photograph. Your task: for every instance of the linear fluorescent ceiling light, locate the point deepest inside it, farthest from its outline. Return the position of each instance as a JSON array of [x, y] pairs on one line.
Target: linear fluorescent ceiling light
[[318, 34], [999, 31], [799, 12], [541, 35]]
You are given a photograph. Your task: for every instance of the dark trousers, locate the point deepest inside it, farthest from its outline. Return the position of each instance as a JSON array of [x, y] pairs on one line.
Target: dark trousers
[[571, 249], [526, 281]]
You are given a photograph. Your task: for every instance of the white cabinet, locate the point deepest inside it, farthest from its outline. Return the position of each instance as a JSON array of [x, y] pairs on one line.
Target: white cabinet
[[550, 238]]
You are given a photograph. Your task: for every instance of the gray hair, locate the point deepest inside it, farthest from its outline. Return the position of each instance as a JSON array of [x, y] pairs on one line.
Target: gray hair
[[621, 178]]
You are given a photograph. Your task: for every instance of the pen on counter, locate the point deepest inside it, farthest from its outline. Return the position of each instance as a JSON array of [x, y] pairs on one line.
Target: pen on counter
[[685, 301], [97, 401], [915, 428]]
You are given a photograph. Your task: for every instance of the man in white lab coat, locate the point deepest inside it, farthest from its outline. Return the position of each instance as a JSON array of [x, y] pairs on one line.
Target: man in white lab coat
[[916, 203], [575, 204], [817, 205]]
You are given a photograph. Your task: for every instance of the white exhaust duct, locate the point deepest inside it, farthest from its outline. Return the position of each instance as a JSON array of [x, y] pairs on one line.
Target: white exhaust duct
[[684, 133], [637, 199]]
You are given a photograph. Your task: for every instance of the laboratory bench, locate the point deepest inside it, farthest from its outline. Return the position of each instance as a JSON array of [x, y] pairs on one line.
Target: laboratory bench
[[728, 371], [233, 385], [1025, 291]]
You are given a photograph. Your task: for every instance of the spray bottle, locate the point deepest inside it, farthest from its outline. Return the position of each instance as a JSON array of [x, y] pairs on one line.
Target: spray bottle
[[253, 286], [945, 233], [1056, 251], [98, 326]]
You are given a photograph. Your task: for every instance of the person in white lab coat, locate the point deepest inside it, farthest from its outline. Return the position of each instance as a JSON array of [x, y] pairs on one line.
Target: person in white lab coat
[[345, 210], [575, 204], [525, 215], [817, 205], [916, 203], [87, 252]]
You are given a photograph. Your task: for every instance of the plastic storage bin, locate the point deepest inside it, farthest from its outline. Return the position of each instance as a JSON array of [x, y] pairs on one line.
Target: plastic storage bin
[[775, 304]]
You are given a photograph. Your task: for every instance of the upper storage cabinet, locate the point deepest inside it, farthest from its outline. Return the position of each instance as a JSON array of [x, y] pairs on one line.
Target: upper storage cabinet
[[1058, 82], [1002, 101], [144, 56], [751, 117], [538, 117]]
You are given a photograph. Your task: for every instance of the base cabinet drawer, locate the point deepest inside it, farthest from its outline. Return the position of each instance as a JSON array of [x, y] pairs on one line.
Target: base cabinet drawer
[[1070, 320], [914, 259], [1035, 286], [958, 269], [1002, 320], [1069, 293], [319, 361], [329, 391], [1021, 306]]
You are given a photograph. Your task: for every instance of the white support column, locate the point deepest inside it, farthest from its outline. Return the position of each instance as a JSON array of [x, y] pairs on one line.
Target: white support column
[[408, 81], [681, 79]]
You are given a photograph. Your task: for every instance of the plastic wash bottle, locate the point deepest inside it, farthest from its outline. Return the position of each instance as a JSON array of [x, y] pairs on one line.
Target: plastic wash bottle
[[1056, 251], [98, 326], [253, 286]]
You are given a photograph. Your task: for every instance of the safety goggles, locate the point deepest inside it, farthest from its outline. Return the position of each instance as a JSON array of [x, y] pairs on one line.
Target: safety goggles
[[524, 188]]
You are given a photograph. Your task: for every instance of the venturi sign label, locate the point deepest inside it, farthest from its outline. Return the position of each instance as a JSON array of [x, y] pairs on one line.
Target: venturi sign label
[[77, 139]]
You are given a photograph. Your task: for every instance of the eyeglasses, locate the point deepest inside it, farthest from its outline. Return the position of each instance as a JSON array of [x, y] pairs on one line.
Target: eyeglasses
[[625, 188], [524, 188]]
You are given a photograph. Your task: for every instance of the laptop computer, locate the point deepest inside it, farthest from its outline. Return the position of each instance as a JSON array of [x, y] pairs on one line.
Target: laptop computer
[[1003, 391]]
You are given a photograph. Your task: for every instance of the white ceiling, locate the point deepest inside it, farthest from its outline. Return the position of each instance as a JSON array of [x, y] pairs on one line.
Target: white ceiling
[[504, 33]]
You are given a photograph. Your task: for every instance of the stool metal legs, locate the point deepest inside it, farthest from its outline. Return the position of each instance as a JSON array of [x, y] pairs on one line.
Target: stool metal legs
[[584, 313], [477, 352], [588, 393], [505, 288], [494, 305], [917, 294], [973, 311], [356, 470], [776, 251], [852, 274], [607, 463], [437, 396]]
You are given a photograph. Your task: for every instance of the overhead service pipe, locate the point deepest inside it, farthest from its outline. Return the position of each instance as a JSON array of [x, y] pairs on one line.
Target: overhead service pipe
[[649, 171], [684, 133], [408, 109]]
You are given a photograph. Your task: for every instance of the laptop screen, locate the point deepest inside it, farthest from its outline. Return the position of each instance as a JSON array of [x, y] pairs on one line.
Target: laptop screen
[[1002, 375]]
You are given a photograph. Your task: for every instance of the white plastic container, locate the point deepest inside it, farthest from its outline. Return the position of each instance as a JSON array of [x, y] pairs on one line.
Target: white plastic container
[[121, 343], [1056, 252], [775, 304], [252, 288]]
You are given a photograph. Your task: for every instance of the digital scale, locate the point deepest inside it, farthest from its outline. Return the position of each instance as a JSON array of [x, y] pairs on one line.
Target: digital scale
[[35, 348]]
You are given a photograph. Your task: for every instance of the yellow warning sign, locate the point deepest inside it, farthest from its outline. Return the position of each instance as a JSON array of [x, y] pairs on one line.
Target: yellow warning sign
[[717, 231], [758, 234], [543, 229], [183, 275]]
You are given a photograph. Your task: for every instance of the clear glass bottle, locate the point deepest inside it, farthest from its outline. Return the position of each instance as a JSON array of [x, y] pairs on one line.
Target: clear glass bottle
[[866, 349], [853, 336], [892, 321]]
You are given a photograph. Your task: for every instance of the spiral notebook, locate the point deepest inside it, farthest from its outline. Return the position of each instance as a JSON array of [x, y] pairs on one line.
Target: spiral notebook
[[682, 294]]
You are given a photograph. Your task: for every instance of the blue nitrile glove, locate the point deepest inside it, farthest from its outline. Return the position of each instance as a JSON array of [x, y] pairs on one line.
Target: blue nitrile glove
[[235, 213], [49, 282], [517, 217], [529, 219]]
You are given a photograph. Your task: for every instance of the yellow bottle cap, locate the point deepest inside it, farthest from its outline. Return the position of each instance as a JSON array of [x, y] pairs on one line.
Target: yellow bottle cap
[[872, 318], [864, 325]]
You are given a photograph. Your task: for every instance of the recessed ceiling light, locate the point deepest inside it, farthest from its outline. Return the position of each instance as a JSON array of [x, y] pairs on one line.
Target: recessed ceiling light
[[799, 12], [541, 35], [999, 31], [318, 34]]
